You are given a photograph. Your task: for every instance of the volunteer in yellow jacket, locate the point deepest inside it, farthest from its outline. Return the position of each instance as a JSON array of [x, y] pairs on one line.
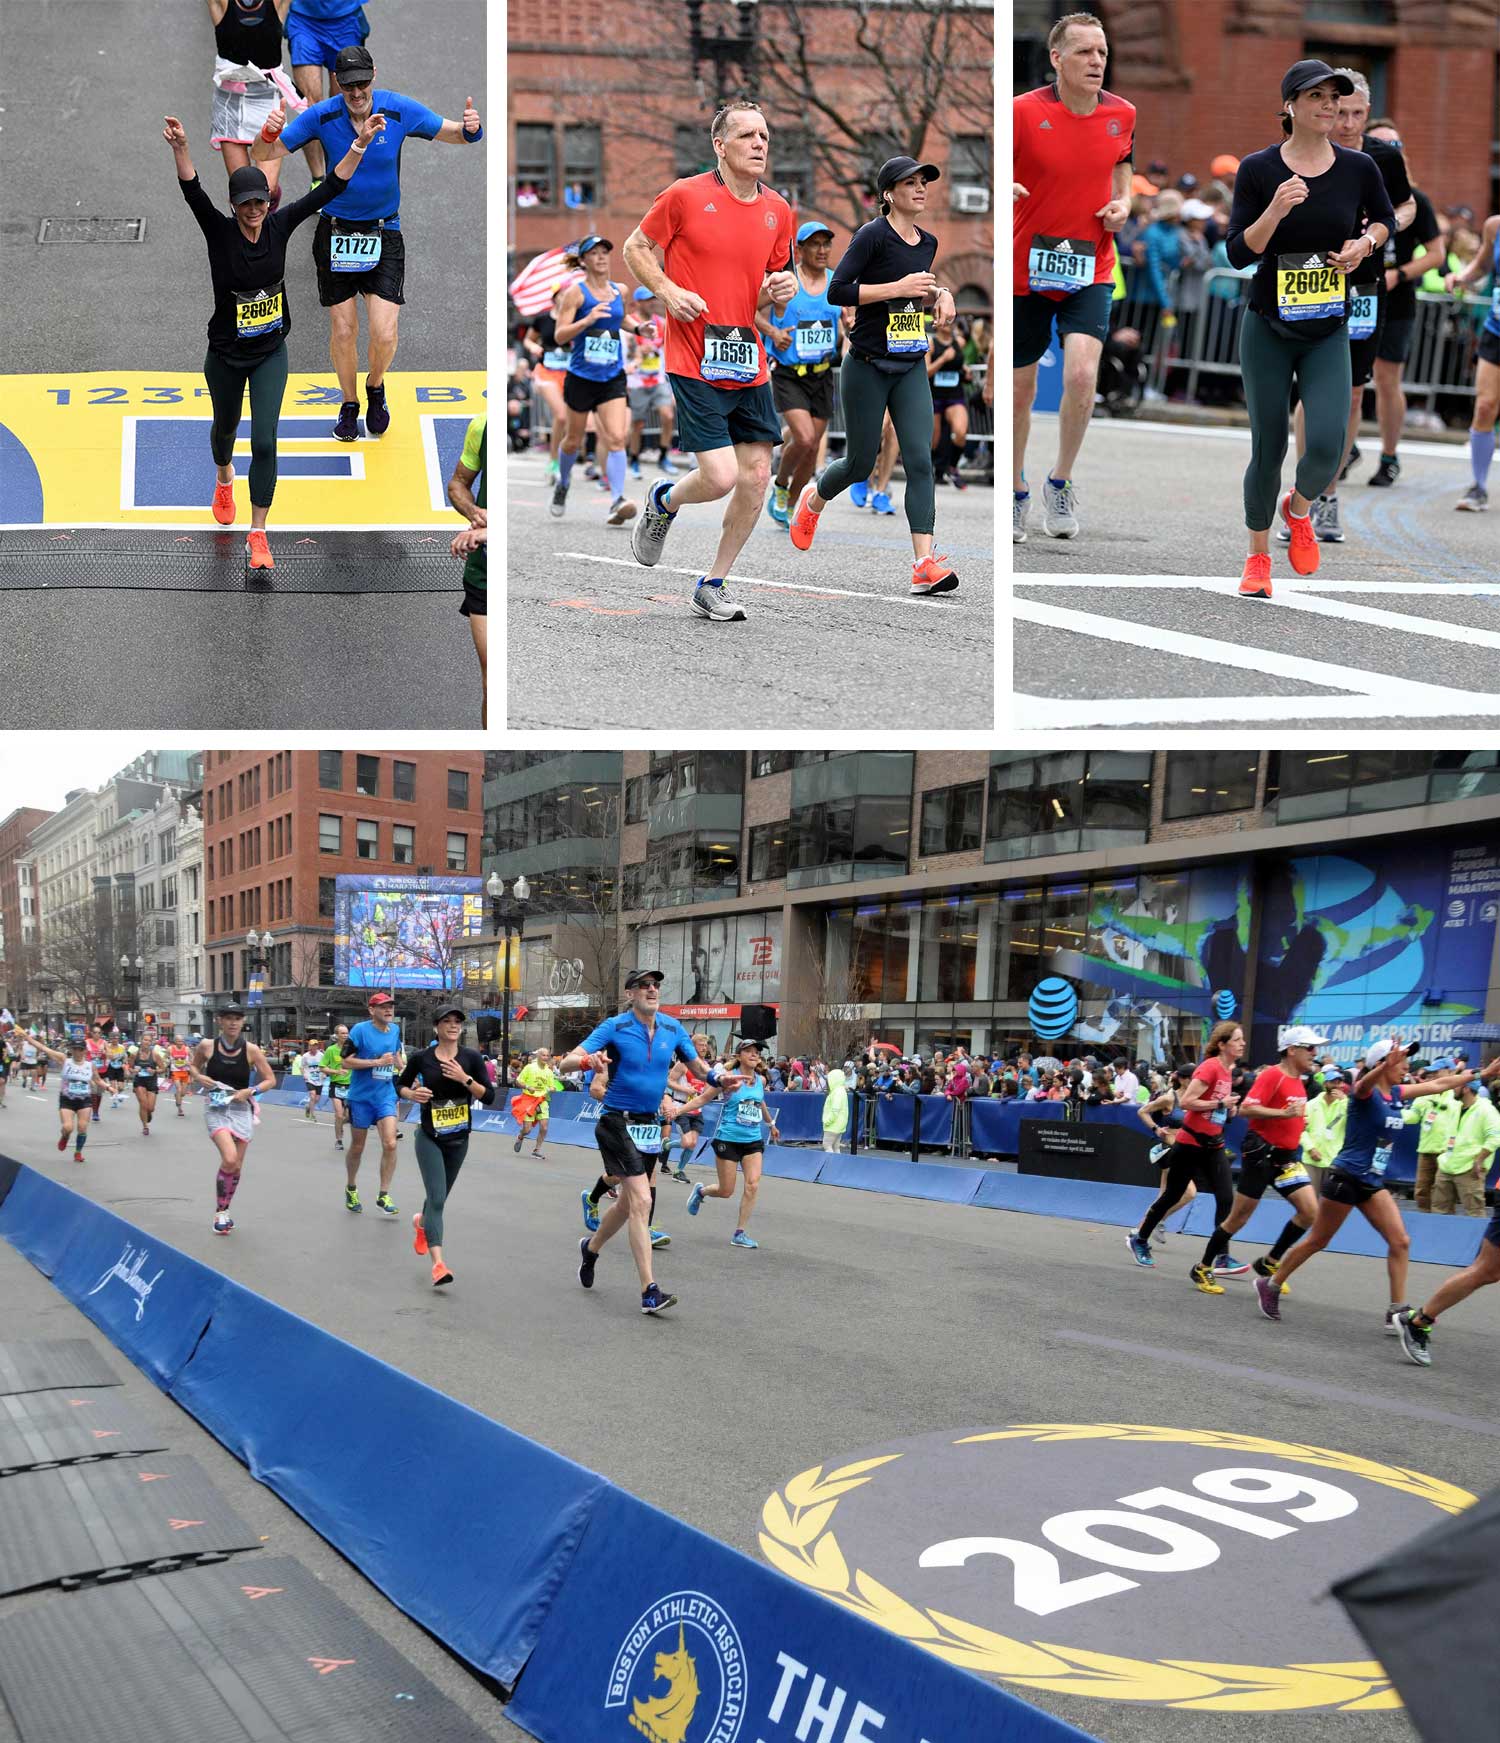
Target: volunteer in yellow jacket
[[1327, 1114], [1465, 1159], [1434, 1116], [537, 1078]]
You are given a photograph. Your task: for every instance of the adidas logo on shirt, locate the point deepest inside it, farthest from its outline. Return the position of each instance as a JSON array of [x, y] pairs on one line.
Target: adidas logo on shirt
[[734, 333], [1046, 127], [1313, 260], [1064, 247], [711, 207]]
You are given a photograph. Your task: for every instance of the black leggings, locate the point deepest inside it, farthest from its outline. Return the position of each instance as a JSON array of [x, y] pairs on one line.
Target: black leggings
[[226, 387], [1210, 1168], [1270, 361], [440, 1164], [868, 394]]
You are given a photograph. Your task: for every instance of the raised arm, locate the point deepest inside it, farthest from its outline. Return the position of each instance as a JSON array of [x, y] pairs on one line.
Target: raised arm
[[468, 131]]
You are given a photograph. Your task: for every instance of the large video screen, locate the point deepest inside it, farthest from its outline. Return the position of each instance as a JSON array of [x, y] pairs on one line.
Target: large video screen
[[404, 931]]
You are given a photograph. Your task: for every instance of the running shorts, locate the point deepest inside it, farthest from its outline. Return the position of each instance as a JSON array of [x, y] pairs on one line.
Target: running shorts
[[1263, 1165], [620, 1136], [1341, 1188], [1492, 1233], [240, 110], [812, 394], [1199, 1151], [582, 395], [236, 1117], [1085, 311], [183, 1077], [78, 1106], [647, 399], [542, 373], [711, 417], [1489, 347], [942, 398], [728, 1151], [475, 600], [315, 42], [4, 1069], [341, 1093], [1395, 339], [1363, 352], [368, 1110], [691, 1127], [114, 1074], [387, 280], [153, 1084]]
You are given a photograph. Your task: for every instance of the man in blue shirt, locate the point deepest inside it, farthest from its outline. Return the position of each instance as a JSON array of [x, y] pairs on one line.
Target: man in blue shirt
[[358, 246], [315, 32], [635, 1050], [373, 1055]]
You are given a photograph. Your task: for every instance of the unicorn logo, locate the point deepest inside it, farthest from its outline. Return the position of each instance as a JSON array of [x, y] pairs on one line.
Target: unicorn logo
[[665, 1718]]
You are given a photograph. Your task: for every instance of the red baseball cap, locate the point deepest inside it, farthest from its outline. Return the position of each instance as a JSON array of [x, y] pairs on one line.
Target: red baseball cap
[[380, 999]]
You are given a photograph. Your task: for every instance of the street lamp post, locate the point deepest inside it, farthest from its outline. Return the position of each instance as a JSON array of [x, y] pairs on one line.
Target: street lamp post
[[133, 974], [46, 986], [259, 944], [723, 51], [507, 915]]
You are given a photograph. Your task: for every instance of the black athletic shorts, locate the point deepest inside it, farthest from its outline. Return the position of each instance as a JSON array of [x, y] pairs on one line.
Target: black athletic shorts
[[1263, 1165], [4, 1069], [620, 1137], [945, 397], [387, 280], [812, 394], [78, 1107], [727, 1151], [152, 1083], [1201, 1153], [1341, 1188], [1363, 352], [1395, 339], [114, 1074], [1492, 1233], [475, 600], [1489, 347], [582, 395], [1084, 311]]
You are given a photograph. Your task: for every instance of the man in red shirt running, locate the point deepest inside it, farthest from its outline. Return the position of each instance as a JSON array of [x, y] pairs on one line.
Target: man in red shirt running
[[1271, 1155], [1073, 148], [708, 248]]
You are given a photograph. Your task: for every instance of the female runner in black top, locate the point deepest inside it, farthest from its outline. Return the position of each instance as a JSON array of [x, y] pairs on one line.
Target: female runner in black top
[[444, 1080], [248, 329]]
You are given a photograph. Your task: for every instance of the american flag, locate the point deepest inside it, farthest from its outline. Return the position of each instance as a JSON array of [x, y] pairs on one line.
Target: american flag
[[531, 290]]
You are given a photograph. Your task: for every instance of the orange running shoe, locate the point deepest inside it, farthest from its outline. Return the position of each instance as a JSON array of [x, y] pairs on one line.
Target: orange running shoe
[[419, 1245], [804, 522], [1255, 583], [932, 575], [1304, 546], [224, 504], [258, 551], [440, 1274]]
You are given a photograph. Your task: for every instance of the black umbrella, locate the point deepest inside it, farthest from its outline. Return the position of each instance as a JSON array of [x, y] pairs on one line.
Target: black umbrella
[[1428, 1614]]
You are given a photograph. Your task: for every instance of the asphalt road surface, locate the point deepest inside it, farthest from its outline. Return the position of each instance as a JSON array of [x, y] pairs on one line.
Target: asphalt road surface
[[862, 1320], [1137, 622], [832, 640]]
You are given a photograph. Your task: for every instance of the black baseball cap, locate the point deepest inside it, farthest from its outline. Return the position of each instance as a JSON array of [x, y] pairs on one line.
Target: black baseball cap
[[639, 976], [451, 1011], [248, 183], [231, 1010], [1305, 74], [897, 169], [354, 66]]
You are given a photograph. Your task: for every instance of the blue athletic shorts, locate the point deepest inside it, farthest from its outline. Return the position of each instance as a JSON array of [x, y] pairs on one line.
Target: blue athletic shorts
[[1085, 311], [1492, 1233], [315, 42], [369, 1109]]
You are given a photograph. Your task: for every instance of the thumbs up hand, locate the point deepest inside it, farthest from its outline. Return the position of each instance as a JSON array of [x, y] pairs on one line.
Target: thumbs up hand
[[471, 121]]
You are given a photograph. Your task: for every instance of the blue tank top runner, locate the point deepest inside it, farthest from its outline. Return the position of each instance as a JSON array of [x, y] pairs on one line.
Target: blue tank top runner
[[744, 1118], [596, 354], [1492, 323], [814, 321]]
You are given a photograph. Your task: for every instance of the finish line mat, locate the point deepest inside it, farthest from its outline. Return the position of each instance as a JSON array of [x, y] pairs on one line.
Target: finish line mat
[[59, 1428], [130, 448], [53, 1363], [214, 562], [206, 1656], [122, 1514]]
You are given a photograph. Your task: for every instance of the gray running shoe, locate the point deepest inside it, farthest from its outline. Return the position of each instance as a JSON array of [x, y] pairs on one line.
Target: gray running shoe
[[1475, 500], [1283, 531], [621, 510], [1325, 520], [1018, 518], [1059, 501], [559, 501], [715, 603], [649, 533]]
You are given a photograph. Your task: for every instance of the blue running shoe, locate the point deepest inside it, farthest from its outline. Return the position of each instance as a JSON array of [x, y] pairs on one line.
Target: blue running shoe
[[740, 1239], [779, 507], [880, 503], [695, 1199], [347, 427], [667, 466], [660, 1238], [590, 1215], [653, 1301], [859, 494], [1226, 1265], [1140, 1250], [635, 466]]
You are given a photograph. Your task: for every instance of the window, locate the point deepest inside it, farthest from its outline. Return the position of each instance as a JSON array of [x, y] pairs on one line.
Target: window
[[951, 818], [325, 965], [767, 852], [331, 770], [403, 843], [969, 161], [458, 851], [326, 887], [458, 790], [692, 150], [769, 762], [404, 782], [790, 170], [167, 845], [535, 165], [366, 839], [367, 777], [330, 834], [1201, 783], [1067, 802], [635, 800], [582, 167]]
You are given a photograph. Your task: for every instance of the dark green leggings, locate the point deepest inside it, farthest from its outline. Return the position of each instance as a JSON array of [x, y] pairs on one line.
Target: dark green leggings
[[867, 394], [1269, 363], [440, 1164], [226, 388]]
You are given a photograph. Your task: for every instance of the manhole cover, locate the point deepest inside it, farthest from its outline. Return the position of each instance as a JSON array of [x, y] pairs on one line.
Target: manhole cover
[[92, 230]]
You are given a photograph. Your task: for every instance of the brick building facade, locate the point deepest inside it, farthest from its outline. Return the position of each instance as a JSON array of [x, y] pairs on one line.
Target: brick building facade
[[1205, 76], [17, 921], [602, 99]]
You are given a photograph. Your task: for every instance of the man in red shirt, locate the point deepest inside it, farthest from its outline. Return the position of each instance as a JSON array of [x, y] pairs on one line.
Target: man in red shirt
[[708, 248], [1276, 1111], [1073, 148]]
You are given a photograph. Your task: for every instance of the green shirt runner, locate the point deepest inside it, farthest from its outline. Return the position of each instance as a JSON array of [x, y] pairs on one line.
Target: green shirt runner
[[472, 458]]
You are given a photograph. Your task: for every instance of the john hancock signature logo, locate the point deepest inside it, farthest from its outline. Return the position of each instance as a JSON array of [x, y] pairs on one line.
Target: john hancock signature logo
[[128, 1268]]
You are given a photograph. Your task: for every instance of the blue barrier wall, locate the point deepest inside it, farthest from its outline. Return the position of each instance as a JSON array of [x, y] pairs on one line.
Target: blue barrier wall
[[893, 1119]]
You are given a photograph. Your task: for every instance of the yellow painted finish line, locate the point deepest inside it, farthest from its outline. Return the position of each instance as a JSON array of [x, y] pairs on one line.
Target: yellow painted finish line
[[130, 448]]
